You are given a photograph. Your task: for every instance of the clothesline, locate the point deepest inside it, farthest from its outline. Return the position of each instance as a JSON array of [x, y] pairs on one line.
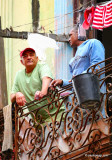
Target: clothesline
[[103, 3]]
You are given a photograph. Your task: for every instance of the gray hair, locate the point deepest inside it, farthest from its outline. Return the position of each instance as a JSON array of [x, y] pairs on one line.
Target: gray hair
[[75, 29]]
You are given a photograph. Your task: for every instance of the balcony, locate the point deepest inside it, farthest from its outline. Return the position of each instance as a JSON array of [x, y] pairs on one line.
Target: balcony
[[78, 133]]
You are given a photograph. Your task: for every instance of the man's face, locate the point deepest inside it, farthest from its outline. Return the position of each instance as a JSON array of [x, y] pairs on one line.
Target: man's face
[[73, 38], [29, 59]]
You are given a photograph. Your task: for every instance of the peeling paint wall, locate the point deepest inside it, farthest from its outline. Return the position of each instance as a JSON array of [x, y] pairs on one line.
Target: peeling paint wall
[[46, 21], [63, 24]]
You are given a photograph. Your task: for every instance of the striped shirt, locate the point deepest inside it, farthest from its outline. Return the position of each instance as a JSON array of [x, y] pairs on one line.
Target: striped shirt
[[102, 16]]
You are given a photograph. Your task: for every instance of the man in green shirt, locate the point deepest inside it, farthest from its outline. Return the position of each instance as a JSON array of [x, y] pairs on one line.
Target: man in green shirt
[[32, 83]]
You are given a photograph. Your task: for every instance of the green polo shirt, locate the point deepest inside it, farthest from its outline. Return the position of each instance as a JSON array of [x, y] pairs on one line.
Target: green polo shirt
[[29, 83]]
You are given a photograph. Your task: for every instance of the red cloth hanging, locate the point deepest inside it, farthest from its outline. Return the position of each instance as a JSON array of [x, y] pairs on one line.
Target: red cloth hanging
[[102, 16], [88, 15]]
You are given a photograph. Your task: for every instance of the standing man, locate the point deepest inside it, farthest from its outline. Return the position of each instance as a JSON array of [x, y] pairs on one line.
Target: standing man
[[32, 82], [89, 52]]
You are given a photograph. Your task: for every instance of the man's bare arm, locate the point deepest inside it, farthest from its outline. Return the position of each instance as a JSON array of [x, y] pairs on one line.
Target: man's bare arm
[[45, 84]]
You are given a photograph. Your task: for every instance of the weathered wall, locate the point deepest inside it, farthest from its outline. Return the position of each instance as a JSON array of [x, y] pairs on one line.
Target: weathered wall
[[63, 24]]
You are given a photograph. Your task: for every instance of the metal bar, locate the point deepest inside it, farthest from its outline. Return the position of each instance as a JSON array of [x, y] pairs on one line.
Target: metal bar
[[43, 105], [16, 134], [24, 35]]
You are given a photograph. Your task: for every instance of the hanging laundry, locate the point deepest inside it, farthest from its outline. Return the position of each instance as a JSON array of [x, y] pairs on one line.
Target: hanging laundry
[[81, 33], [88, 16], [81, 30], [102, 16]]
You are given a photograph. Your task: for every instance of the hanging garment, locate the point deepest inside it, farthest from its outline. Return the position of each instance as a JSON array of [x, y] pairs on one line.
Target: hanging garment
[[81, 30], [8, 137], [102, 16], [88, 16], [81, 33]]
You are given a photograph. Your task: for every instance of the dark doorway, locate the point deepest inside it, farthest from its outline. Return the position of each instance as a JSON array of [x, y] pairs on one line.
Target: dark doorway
[[107, 41], [105, 37]]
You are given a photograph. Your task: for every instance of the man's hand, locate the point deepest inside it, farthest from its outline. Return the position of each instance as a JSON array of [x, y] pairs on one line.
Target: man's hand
[[56, 82], [71, 79], [20, 99], [39, 95]]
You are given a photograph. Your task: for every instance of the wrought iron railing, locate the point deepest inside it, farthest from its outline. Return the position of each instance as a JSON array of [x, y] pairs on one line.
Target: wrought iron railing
[[86, 135], [79, 134]]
